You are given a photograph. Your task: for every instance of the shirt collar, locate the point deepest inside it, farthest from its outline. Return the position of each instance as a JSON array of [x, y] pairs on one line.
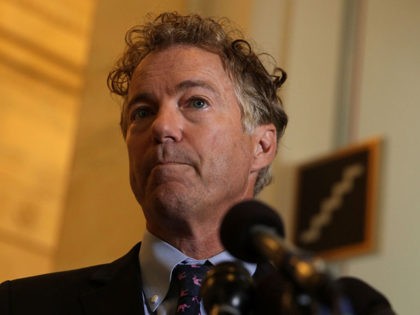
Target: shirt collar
[[158, 259]]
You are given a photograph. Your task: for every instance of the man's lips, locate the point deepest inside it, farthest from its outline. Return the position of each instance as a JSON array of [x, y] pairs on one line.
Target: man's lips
[[168, 157], [169, 163], [163, 173]]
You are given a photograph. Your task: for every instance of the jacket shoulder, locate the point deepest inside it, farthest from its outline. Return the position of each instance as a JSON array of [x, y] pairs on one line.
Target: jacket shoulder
[[65, 287]]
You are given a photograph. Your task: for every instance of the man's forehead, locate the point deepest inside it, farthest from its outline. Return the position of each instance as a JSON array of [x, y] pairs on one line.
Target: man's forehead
[[183, 66]]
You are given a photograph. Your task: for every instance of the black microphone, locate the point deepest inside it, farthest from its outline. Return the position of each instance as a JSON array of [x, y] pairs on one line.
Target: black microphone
[[228, 289], [237, 231], [365, 299], [253, 232]]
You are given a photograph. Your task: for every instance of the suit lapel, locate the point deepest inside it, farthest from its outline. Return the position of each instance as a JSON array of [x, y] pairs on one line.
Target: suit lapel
[[115, 288]]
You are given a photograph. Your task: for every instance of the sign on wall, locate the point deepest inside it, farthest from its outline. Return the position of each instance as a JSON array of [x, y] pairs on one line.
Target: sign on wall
[[336, 200]]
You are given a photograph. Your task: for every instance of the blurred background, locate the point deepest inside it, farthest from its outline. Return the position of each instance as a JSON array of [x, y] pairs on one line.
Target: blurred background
[[354, 73]]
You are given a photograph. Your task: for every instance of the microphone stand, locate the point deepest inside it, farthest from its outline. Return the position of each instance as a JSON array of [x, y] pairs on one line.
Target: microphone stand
[[310, 284], [277, 294], [229, 289]]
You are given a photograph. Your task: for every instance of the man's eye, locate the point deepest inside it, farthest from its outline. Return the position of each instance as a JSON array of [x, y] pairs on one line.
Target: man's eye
[[198, 103], [140, 113]]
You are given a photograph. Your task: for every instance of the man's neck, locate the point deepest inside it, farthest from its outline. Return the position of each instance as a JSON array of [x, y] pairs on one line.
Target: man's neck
[[199, 245]]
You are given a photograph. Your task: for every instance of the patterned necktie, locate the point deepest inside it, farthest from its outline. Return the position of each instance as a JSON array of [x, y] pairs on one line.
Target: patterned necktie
[[189, 278]]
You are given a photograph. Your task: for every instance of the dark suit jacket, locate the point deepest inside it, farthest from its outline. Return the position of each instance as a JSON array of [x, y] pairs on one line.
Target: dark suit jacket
[[113, 288]]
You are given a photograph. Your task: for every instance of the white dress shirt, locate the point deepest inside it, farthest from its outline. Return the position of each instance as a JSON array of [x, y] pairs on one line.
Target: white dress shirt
[[157, 260]]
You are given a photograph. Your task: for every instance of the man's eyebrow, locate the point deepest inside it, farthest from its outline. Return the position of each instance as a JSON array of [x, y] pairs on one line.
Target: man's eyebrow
[[184, 85], [140, 97]]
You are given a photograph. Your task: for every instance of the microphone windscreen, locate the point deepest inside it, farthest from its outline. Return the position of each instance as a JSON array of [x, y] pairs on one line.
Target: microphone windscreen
[[365, 299], [236, 228]]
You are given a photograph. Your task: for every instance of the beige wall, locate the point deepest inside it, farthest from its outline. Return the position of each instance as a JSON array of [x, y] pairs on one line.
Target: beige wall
[[379, 96], [43, 49], [65, 188], [389, 106]]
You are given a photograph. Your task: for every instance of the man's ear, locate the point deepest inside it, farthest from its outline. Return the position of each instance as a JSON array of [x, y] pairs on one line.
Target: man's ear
[[265, 146]]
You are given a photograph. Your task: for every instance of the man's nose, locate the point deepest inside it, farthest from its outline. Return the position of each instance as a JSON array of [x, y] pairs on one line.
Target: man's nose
[[168, 124]]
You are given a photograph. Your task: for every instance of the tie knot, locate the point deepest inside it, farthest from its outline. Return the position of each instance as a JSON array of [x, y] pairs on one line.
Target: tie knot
[[189, 277]]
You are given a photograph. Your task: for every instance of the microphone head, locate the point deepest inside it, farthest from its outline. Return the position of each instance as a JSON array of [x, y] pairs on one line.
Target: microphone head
[[236, 228]]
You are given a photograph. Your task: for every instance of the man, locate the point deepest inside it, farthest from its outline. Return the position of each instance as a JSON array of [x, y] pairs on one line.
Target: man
[[201, 119]]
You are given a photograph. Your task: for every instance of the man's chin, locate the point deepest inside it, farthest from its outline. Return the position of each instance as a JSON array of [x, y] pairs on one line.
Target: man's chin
[[170, 197]]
